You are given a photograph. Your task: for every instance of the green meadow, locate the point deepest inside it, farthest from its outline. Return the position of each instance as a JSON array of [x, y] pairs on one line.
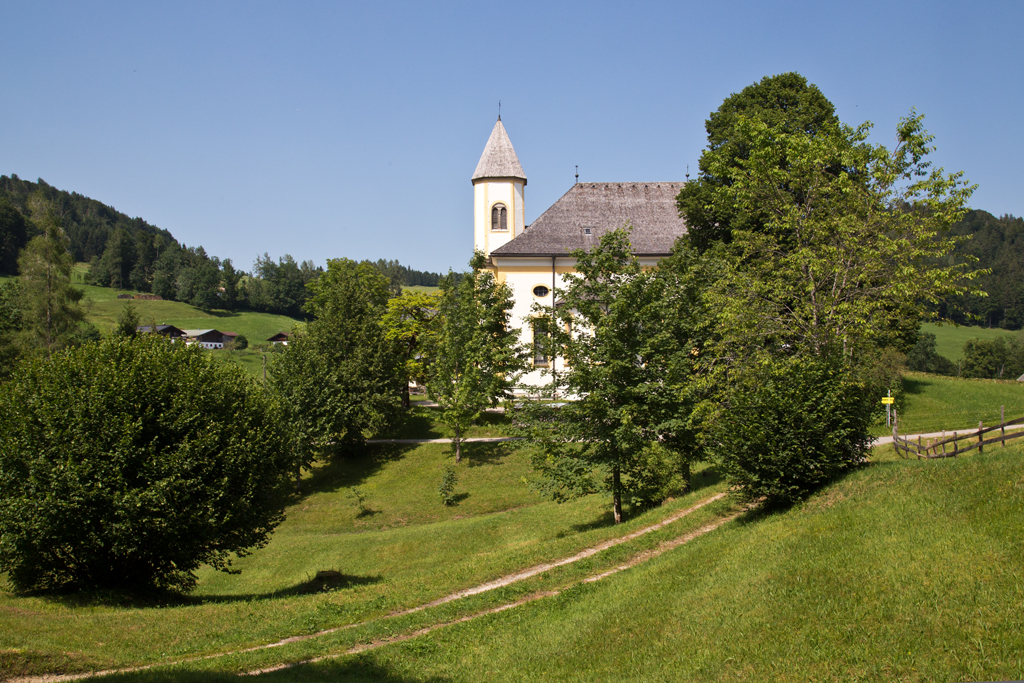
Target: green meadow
[[902, 570], [950, 339], [931, 403]]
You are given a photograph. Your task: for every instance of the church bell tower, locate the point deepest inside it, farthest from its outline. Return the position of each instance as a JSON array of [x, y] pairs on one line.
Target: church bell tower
[[498, 185]]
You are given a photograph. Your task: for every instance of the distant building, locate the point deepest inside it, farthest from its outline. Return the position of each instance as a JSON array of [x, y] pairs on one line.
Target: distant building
[[229, 337], [166, 330], [208, 339], [534, 259], [279, 338]]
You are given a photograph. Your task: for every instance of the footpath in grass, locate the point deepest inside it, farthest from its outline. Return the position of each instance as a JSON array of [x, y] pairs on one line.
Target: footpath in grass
[[394, 545], [903, 571]]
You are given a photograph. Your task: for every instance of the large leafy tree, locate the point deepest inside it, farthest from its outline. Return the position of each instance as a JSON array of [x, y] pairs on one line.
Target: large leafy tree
[[340, 378], [850, 244], [409, 322], [631, 341], [128, 463], [785, 103], [474, 354]]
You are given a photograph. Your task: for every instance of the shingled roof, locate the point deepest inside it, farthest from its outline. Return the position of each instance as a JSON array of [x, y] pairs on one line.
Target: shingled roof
[[499, 159], [603, 207]]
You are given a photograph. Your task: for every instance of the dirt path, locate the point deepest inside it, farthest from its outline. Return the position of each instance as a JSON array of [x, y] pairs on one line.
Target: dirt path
[[638, 559], [475, 590]]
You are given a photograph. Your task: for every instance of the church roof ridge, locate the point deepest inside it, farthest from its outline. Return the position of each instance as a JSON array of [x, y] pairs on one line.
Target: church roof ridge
[[499, 159]]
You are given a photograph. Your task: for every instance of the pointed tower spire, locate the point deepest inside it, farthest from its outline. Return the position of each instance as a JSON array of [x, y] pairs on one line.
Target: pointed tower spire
[[499, 159]]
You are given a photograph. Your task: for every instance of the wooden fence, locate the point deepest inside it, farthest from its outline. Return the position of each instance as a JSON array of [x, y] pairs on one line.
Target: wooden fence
[[952, 446]]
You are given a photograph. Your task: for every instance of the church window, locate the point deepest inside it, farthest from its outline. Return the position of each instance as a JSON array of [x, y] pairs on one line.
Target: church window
[[499, 217], [541, 341], [540, 290]]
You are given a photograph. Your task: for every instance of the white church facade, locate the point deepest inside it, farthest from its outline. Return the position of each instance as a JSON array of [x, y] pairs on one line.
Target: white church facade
[[533, 260]]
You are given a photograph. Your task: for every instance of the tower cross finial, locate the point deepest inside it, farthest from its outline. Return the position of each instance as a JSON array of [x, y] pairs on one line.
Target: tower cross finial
[[577, 174], [499, 110]]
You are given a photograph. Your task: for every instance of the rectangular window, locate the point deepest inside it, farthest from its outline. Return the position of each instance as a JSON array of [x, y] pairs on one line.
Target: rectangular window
[[541, 341]]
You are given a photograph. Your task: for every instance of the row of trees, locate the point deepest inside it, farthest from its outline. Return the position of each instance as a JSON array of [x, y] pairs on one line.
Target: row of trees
[[765, 341], [128, 462]]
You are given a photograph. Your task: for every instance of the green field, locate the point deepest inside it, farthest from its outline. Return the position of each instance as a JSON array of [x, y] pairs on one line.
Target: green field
[[950, 339], [904, 570], [931, 403]]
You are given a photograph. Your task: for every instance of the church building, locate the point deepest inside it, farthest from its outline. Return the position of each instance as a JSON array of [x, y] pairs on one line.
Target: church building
[[533, 259]]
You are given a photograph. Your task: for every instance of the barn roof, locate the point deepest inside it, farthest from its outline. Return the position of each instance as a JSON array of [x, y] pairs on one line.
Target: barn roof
[[589, 210]]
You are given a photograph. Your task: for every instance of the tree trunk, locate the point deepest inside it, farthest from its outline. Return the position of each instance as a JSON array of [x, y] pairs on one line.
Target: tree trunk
[[617, 495], [405, 395], [458, 444]]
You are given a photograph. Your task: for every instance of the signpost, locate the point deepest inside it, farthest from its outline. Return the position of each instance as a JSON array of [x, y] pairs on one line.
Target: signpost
[[888, 401]]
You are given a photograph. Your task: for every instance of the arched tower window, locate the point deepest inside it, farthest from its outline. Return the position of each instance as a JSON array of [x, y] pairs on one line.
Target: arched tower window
[[499, 217]]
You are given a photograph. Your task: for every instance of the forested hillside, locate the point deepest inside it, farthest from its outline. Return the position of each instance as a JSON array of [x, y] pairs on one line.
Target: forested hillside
[[131, 254], [89, 224], [997, 243]]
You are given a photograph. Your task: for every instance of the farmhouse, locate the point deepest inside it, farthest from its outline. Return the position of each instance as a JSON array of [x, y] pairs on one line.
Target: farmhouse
[[279, 338], [208, 339], [534, 259]]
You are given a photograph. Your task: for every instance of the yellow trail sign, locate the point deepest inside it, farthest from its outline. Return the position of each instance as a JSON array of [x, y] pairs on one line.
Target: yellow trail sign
[[888, 400]]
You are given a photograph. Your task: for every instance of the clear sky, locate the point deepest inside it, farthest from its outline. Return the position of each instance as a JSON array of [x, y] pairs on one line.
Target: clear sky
[[328, 129]]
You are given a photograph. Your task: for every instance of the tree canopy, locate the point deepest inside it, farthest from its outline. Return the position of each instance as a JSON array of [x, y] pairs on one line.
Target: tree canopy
[[341, 378], [786, 104], [473, 353], [129, 462]]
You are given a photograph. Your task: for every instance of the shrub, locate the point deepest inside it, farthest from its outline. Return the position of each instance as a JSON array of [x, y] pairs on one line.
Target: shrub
[[130, 462], [790, 426], [240, 342], [446, 489]]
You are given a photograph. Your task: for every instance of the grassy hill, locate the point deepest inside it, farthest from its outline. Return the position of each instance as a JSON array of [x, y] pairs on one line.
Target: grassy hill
[[903, 570], [950, 339]]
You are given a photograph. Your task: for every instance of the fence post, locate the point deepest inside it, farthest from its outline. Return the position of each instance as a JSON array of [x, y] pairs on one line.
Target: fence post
[[919, 447], [981, 438], [1002, 424], [956, 445], [943, 443]]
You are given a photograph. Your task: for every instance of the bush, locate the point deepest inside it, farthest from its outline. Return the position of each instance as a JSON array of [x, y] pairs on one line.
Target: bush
[[790, 426], [240, 342], [446, 489], [128, 463]]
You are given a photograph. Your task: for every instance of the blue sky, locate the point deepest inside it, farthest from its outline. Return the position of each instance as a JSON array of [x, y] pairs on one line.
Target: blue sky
[[351, 129]]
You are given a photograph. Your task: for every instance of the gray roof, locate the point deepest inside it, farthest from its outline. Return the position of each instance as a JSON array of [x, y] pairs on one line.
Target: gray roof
[[603, 207], [499, 160]]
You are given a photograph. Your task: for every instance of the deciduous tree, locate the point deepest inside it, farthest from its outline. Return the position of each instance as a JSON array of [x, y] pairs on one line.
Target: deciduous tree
[[409, 322], [128, 463], [474, 354], [340, 378], [631, 340]]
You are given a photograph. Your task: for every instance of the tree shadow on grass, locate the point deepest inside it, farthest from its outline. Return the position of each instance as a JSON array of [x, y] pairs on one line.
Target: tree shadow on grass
[[322, 582], [356, 669], [338, 469], [913, 385], [483, 453], [605, 519], [706, 478], [418, 422]]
